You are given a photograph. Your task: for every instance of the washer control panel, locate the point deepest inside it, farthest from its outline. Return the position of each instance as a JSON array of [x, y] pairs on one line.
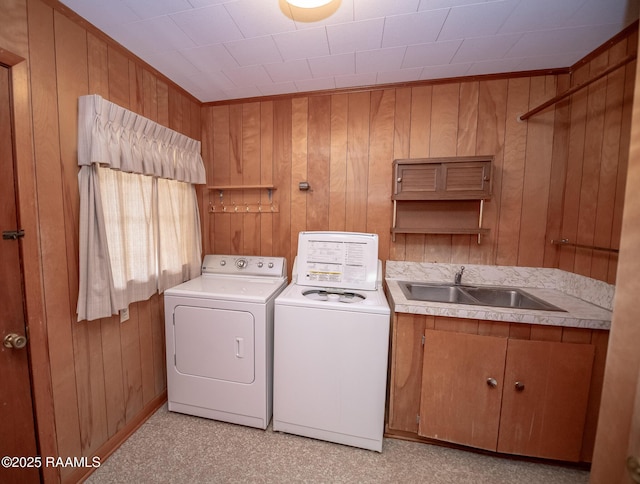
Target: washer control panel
[[245, 265]]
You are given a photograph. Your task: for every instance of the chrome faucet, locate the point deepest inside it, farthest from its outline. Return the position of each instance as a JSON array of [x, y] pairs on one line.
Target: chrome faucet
[[457, 279]]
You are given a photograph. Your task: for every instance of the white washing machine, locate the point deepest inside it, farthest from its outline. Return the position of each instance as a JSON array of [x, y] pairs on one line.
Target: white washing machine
[[219, 337], [331, 342]]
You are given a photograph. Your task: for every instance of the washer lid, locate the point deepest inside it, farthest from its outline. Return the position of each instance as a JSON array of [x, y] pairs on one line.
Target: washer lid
[[346, 260]]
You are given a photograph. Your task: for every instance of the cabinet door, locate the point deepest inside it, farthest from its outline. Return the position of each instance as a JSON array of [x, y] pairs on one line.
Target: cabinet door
[[462, 388], [545, 399], [416, 181], [466, 180], [406, 372]]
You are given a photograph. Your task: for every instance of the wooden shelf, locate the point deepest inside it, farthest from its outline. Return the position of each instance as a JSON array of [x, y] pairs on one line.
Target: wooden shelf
[[440, 231], [241, 187]]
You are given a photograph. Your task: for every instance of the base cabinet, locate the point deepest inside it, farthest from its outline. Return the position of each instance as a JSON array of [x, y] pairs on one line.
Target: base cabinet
[[529, 397]]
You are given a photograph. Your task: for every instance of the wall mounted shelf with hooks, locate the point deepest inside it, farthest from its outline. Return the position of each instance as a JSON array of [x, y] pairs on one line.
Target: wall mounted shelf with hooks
[[233, 206]]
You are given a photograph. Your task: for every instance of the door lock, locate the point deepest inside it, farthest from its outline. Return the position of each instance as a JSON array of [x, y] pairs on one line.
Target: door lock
[[15, 341]]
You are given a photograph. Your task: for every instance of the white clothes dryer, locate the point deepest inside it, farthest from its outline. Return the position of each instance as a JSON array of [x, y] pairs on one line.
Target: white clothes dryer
[[219, 339], [331, 342]]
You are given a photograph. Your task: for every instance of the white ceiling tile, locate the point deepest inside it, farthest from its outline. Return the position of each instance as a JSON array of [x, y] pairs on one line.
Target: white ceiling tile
[[158, 34], [367, 79], [154, 8], [319, 84], [256, 18], [592, 12], [173, 64], [335, 65], [550, 61], [118, 12], [257, 50], [208, 25], [400, 75], [366, 9], [494, 66], [444, 71], [560, 40], [415, 28], [210, 58], [477, 20], [379, 60], [206, 3], [435, 53], [278, 88], [243, 92], [248, 76], [436, 4], [289, 71], [351, 37], [302, 44], [485, 48], [540, 15]]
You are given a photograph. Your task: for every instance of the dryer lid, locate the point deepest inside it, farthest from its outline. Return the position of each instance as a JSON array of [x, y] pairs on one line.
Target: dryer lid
[[346, 260]]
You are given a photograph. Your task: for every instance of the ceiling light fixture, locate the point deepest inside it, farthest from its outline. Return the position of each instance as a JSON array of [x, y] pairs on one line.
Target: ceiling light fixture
[[308, 3]]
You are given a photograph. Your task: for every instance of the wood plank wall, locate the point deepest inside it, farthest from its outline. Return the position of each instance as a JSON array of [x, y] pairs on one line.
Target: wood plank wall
[[558, 175], [104, 375]]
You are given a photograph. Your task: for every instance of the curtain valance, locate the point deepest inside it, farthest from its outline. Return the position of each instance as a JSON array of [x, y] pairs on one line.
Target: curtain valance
[[113, 136]]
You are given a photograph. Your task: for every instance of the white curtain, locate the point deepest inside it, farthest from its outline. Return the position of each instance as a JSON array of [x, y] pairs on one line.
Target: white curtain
[[139, 221]]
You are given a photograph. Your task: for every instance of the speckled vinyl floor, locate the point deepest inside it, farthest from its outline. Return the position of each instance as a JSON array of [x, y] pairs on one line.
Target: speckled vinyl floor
[[176, 448]]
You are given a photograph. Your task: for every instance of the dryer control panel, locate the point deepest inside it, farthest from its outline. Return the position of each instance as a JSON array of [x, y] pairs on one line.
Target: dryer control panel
[[245, 265]]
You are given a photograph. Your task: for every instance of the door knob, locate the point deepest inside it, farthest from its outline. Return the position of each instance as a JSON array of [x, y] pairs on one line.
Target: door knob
[[633, 467], [16, 341]]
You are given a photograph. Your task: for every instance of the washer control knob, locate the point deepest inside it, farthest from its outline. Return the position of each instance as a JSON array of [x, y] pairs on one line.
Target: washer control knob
[[223, 262], [241, 263], [270, 265], [260, 264]]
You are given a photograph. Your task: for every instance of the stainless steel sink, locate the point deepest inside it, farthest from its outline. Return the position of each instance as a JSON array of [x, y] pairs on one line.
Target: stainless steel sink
[[504, 297], [436, 293]]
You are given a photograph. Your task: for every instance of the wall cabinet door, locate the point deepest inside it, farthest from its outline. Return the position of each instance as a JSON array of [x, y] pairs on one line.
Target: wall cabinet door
[[462, 388], [545, 396]]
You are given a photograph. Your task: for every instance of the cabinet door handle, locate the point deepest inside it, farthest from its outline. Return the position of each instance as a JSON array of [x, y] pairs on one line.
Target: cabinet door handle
[[399, 179], [519, 386], [492, 382]]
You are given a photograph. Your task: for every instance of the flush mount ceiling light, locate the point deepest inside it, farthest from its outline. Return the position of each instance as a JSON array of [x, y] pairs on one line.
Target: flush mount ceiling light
[[308, 3], [309, 11]]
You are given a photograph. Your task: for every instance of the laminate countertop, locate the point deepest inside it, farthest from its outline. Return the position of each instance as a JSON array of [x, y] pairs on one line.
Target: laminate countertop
[[587, 303]]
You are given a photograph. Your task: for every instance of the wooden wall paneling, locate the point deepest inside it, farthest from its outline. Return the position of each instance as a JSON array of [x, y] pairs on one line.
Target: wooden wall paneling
[[118, 77], [401, 146], [162, 91], [596, 103], [607, 179], [14, 34], [338, 162], [319, 162], [380, 168], [251, 176], [466, 146], [558, 177], [159, 347], [537, 175], [445, 107], [299, 168], [282, 178], [147, 370], [208, 196], [72, 75], [266, 178], [52, 231], [577, 134], [419, 141], [492, 103], [625, 140], [513, 169], [131, 364], [235, 197], [111, 351], [220, 237], [357, 161]]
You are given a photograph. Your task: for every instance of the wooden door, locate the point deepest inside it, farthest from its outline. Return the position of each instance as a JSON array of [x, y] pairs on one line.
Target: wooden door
[[545, 399], [462, 381], [17, 433]]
